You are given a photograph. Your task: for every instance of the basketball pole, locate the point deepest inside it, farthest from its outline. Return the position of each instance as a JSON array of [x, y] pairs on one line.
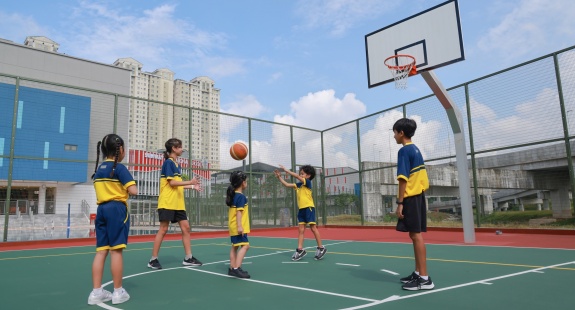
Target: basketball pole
[[455, 120]]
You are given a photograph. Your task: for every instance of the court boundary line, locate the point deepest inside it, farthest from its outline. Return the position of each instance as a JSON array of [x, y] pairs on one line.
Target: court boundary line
[[287, 286], [458, 286]]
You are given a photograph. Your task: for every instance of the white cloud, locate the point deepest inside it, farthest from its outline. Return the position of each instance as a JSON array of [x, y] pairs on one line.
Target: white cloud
[[322, 109], [17, 27], [155, 37], [532, 25], [341, 15], [245, 106]]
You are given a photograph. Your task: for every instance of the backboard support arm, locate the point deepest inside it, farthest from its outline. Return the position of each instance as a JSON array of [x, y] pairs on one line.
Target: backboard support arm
[[455, 120]]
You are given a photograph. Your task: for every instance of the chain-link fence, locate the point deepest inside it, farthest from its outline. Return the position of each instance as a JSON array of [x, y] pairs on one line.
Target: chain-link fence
[[519, 126]]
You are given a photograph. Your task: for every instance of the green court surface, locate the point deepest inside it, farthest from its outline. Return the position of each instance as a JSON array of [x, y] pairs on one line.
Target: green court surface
[[353, 275]]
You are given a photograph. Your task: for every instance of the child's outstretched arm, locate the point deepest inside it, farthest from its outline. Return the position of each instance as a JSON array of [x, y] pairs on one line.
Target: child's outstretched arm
[[284, 182], [293, 174]]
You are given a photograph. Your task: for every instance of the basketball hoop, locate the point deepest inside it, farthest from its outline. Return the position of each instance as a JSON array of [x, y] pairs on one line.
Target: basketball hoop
[[401, 67]]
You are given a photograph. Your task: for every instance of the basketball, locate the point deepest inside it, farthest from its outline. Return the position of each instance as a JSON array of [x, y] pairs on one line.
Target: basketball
[[238, 151]]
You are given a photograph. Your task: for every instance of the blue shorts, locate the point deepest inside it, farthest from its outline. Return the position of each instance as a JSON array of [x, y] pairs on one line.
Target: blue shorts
[[306, 216], [240, 240], [112, 226]]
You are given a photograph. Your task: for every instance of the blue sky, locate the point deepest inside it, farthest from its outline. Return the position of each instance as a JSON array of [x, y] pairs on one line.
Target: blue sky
[[287, 61]]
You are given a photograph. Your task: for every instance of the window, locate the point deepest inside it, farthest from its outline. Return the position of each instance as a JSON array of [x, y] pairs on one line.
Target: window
[[70, 147]]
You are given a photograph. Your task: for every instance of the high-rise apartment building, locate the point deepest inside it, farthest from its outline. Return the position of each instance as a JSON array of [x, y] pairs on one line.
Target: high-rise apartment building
[[152, 123]]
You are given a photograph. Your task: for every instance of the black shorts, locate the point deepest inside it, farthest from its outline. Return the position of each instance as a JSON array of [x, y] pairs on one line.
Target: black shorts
[[414, 215], [173, 216]]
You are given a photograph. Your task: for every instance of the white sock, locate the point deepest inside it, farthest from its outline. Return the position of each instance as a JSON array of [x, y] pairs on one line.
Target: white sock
[[416, 272], [188, 256], [97, 291], [153, 257], [118, 290], [425, 277]]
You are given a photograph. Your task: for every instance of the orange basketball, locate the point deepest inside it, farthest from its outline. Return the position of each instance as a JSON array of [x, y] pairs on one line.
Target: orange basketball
[[238, 151]]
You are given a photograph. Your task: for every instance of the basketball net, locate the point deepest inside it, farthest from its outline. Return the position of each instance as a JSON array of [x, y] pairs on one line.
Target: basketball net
[[401, 67]]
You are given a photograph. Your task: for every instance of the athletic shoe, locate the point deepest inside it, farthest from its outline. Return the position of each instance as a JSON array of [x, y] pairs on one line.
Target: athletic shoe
[[244, 274], [238, 273], [95, 299], [191, 262], [319, 253], [418, 284], [120, 296], [409, 278], [154, 264], [299, 254]]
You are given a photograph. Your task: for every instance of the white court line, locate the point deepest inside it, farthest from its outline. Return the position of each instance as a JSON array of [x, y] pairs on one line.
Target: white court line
[[103, 305], [294, 262], [375, 303], [537, 271], [389, 271], [347, 264], [189, 267], [288, 286], [470, 283], [486, 283]]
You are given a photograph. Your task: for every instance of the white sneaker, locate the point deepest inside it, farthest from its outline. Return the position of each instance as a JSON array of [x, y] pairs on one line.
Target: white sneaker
[[95, 299], [120, 296]]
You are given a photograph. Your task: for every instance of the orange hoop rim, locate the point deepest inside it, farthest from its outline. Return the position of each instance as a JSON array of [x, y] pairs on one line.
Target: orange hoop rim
[[393, 67]]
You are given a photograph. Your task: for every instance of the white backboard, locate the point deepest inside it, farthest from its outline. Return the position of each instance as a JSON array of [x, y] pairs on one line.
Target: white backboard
[[433, 37]]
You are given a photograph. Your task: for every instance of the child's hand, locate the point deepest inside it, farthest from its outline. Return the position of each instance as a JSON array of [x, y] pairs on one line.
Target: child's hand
[[284, 168], [194, 181], [240, 230], [277, 173]]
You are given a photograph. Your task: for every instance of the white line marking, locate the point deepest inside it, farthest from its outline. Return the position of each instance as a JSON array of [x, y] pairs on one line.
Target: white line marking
[[192, 268], [243, 263], [103, 305], [342, 264], [294, 262], [288, 286], [375, 303], [537, 271], [485, 281], [389, 271], [471, 283]]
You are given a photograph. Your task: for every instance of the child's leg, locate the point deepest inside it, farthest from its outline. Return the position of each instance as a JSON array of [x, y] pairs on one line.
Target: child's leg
[[315, 232], [301, 230], [185, 228], [241, 254], [233, 257], [98, 268], [160, 237], [117, 267], [419, 253]]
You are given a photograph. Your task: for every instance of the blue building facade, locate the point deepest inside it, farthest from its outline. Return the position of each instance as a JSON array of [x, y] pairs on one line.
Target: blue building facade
[[49, 125]]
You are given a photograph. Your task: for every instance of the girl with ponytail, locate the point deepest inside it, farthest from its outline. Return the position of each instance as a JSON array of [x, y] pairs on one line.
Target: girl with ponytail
[[113, 184], [238, 223]]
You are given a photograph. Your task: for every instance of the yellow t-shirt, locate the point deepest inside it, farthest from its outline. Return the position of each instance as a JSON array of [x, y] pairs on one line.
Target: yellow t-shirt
[[239, 203], [171, 198], [303, 193]]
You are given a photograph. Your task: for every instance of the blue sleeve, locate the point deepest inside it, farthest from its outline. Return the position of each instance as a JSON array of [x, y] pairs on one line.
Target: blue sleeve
[[240, 201], [169, 169], [123, 174], [403, 167]]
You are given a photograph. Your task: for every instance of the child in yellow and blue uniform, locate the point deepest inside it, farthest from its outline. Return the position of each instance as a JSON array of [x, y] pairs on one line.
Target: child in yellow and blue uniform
[[113, 184], [171, 205], [306, 213], [238, 223], [411, 206]]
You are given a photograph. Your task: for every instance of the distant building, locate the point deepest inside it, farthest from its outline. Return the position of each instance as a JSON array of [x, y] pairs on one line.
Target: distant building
[[152, 124]]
